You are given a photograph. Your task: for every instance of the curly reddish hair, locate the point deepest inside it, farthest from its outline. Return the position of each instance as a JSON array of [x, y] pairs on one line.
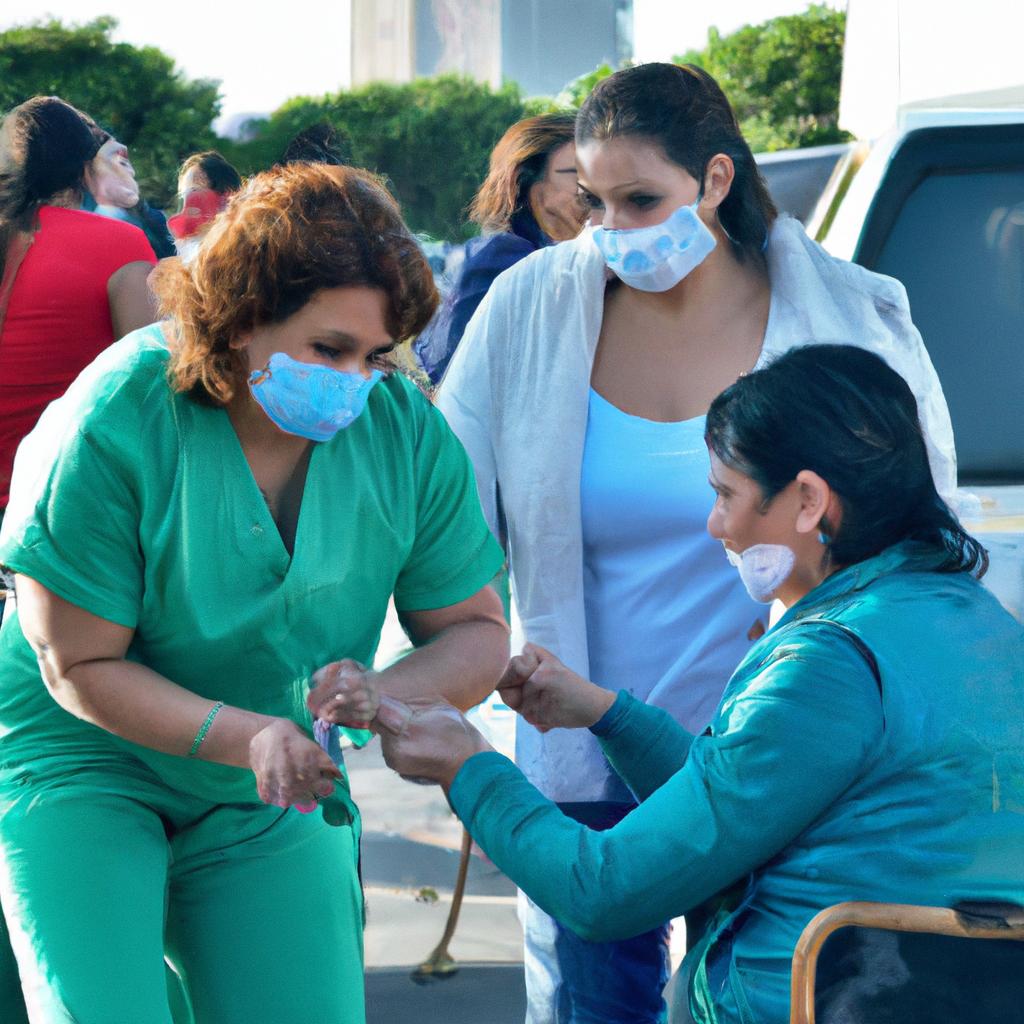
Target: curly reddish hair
[[288, 234]]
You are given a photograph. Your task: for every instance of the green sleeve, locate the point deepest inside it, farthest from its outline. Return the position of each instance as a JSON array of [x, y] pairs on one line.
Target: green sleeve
[[79, 535], [454, 553], [645, 745], [783, 748]]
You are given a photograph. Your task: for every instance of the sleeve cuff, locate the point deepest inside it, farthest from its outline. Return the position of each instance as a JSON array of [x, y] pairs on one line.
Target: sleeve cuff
[[608, 724]]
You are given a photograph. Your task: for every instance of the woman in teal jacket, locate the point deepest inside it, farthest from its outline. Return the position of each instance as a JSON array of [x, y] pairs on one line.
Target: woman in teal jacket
[[869, 747]]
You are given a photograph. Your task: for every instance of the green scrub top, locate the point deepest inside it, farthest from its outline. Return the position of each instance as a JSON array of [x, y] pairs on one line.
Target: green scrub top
[[136, 503]]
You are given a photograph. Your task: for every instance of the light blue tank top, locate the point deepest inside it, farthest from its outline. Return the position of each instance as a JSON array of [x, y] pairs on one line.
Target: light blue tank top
[[667, 615]]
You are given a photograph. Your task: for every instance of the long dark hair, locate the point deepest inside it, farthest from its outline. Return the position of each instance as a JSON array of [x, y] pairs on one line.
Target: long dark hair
[[46, 144], [683, 110], [842, 412]]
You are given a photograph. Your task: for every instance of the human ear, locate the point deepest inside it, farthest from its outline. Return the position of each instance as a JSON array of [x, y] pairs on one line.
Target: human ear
[[816, 500], [718, 178]]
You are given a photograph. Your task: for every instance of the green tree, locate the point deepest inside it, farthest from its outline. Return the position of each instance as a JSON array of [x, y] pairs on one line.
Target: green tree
[[782, 77], [134, 92], [430, 138]]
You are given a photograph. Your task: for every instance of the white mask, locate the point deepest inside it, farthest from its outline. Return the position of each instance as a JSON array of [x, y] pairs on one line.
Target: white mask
[[656, 258], [763, 568]]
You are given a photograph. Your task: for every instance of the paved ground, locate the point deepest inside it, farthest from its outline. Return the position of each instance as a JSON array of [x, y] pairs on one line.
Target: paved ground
[[477, 994], [410, 860]]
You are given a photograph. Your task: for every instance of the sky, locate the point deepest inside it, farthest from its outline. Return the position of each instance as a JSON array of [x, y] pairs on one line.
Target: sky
[[303, 48]]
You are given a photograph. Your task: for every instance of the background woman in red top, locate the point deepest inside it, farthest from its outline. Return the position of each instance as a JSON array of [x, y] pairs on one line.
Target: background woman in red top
[[70, 282]]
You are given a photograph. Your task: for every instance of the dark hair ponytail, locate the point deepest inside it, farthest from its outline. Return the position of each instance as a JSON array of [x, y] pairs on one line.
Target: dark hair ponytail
[[683, 109], [842, 412]]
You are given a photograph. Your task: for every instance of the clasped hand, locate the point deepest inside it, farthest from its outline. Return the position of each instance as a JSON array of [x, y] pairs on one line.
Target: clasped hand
[[433, 741], [291, 768], [425, 741], [549, 695]]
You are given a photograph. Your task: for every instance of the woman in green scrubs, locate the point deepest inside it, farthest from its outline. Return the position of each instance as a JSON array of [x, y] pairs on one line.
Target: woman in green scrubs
[[205, 533], [869, 747]]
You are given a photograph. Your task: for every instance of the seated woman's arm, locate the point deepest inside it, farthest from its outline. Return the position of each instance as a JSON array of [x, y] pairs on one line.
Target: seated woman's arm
[[782, 750], [645, 745]]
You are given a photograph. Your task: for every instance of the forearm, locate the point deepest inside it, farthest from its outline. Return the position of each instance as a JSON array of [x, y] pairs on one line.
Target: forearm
[[644, 744], [462, 664], [610, 885], [139, 705]]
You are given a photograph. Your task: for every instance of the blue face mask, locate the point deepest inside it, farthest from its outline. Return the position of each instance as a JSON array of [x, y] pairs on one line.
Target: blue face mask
[[656, 258], [309, 399]]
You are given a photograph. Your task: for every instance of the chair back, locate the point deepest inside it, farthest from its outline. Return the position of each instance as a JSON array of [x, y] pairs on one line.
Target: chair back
[[887, 963]]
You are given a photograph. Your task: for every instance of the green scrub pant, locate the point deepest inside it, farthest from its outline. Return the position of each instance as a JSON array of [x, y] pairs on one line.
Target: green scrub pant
[[104, 871]]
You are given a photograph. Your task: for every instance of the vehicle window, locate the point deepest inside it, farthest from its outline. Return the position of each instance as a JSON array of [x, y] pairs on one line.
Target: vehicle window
[[957, 243]]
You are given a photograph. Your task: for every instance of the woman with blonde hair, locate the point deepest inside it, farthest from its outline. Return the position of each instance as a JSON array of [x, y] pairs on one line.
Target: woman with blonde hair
[[205, 533]]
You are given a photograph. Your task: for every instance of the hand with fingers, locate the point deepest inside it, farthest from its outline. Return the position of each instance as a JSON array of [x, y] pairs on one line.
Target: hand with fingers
[[344, 693], [426, 742], [549, 695], [290, 768]]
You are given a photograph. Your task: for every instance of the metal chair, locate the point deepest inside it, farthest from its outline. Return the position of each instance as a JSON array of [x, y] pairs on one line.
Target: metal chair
[[902, 963]]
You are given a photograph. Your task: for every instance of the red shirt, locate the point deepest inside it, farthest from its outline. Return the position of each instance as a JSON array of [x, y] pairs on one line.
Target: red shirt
[[58, 316]]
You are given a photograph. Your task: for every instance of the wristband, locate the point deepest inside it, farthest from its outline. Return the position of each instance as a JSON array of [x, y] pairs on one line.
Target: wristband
[[205, 728]]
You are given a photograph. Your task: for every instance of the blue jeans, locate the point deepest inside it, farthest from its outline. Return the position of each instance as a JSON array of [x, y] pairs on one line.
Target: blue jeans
[[572, 981]]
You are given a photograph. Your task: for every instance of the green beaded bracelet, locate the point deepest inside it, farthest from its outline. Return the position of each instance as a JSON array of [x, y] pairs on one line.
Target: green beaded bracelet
[[205, 728]]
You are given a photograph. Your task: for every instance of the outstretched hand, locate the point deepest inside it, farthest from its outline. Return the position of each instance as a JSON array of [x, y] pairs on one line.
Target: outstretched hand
[[549, 695], [426, 742]]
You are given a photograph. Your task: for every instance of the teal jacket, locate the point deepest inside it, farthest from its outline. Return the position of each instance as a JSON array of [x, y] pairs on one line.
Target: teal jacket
[[822, 778]]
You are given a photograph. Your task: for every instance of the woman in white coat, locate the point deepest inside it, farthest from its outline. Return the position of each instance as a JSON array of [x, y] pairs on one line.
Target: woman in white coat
[[580, 390]]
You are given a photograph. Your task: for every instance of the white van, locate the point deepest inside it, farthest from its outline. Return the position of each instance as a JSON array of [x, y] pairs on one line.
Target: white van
[[938, 203]]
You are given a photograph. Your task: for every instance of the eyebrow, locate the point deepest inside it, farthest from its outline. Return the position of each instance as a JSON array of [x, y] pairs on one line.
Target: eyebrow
[[716, 486], [617, 188], [565, 170]]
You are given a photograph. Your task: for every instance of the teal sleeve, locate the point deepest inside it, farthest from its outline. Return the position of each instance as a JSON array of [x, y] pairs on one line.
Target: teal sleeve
[[80, 539], [454, 553], [645, 745], [786, 744]]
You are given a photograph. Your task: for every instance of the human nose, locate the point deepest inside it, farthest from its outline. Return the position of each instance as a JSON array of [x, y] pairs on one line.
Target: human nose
[[715, 523]]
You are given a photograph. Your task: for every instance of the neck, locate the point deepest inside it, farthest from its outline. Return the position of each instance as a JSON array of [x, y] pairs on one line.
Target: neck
[[256, 431], [803, 579], [69, 199], [720, 284]]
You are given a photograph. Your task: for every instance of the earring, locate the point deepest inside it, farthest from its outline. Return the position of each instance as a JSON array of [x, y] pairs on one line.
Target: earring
[[824, 538]]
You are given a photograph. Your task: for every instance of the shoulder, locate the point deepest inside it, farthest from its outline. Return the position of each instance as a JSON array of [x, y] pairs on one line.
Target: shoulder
[[576, 264], [125, 387], [115, 238], [554, 282], [797, 262], [400, 402], [496, 251], [114, 419]]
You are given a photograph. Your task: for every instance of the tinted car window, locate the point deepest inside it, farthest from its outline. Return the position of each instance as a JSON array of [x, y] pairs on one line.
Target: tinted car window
[[948, 221]]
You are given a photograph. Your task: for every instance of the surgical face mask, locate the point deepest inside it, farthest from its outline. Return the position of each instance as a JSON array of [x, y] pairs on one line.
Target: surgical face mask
[[763, 568], [308, 399], [658, 257]]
